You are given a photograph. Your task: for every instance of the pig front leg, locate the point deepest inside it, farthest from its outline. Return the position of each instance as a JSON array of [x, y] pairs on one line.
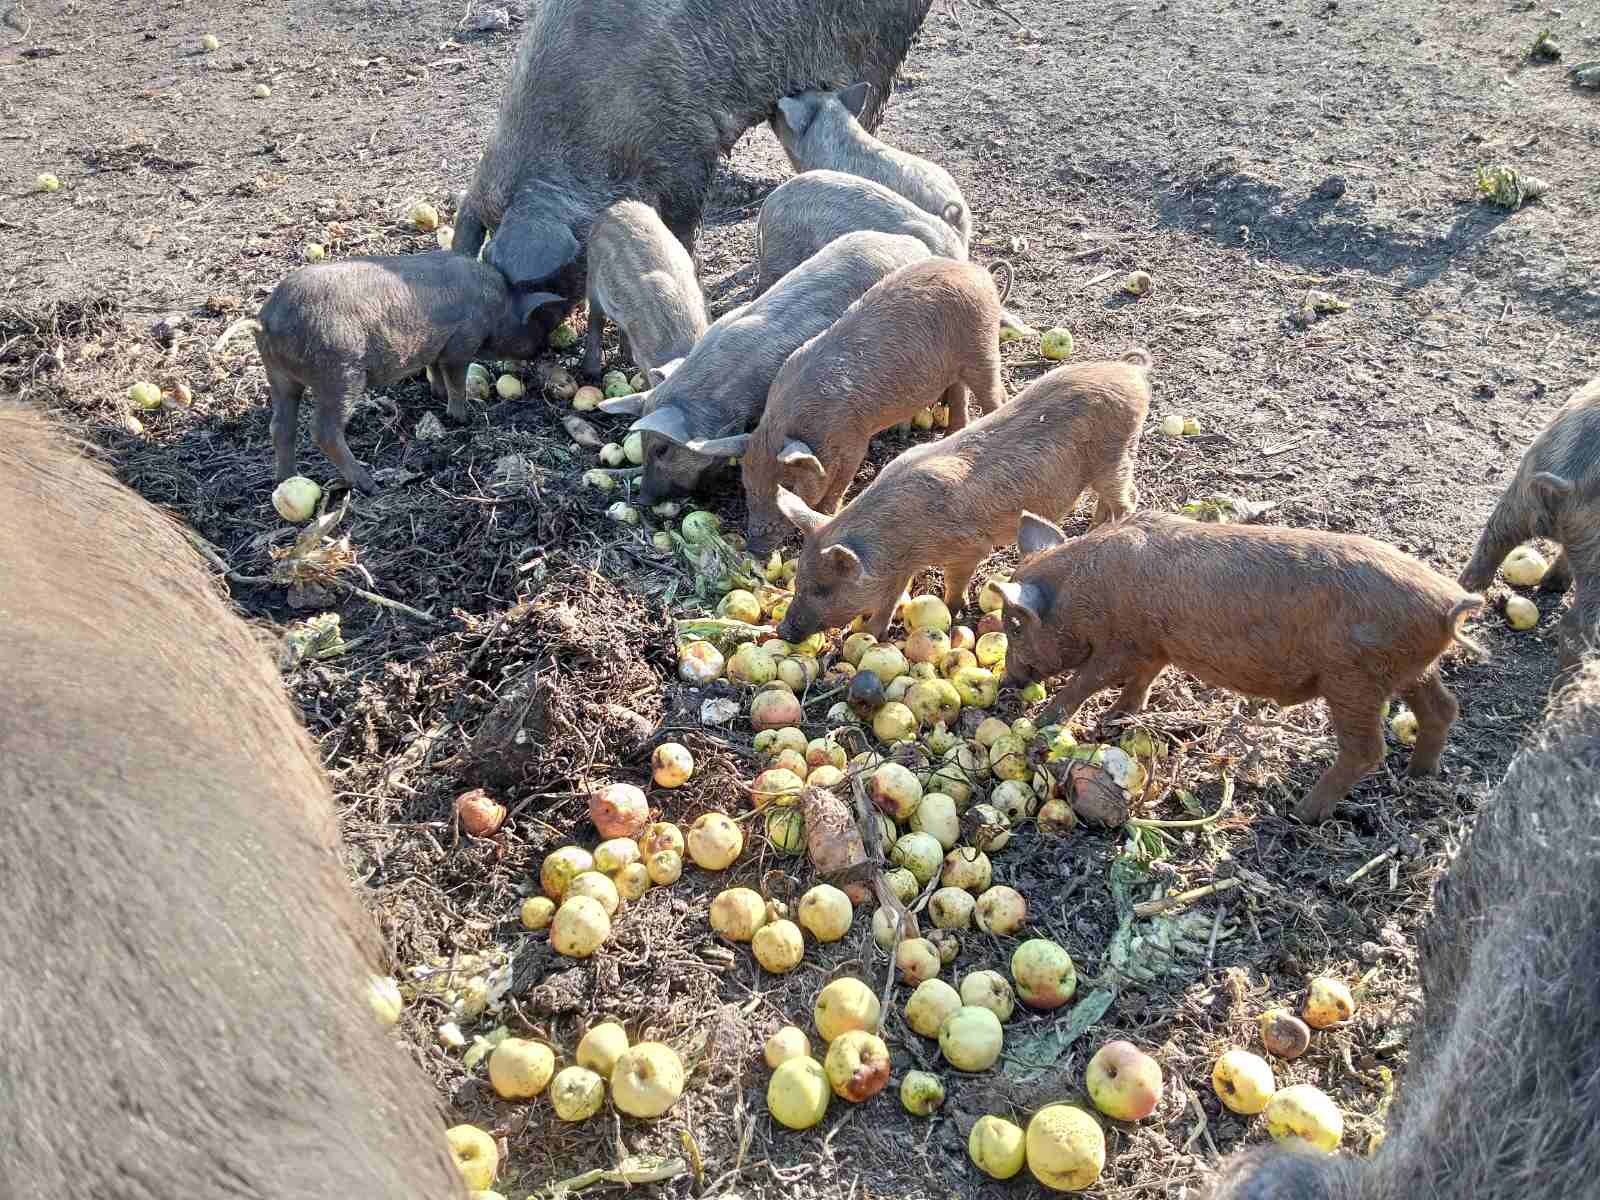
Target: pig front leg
[[436, 381], [1559, 577], [1507, 528], [596, 330], [878, 621], [1103, 668], [1136, 687], [455, 385], [1357, 721], [957, 576]]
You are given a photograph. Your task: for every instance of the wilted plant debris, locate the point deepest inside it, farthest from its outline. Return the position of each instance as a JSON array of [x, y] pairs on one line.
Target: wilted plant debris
[[313, 639], [1545, 48], [1221, 508], [1509, 187]]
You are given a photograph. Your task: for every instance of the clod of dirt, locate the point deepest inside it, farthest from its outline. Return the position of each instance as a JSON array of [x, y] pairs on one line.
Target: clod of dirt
[[582, 432], [1331, 188], [430, 428], [1586, 74]]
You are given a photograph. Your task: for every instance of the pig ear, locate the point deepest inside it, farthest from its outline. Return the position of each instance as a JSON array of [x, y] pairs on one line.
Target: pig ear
[[855, 97], [1027, 600], [796, 453], [1035, 534], [730, 446], [626, 406], [659, 375], [530, 250], [1554, 490], [845, 561], [801, 515], [526, 304], [667, 420], [796, 113]]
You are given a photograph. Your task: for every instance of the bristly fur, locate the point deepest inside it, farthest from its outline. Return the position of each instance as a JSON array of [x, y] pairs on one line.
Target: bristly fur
[[174, 905]]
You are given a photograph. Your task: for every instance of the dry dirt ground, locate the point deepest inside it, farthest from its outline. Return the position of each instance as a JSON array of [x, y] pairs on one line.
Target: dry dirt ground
[[1242, 153]]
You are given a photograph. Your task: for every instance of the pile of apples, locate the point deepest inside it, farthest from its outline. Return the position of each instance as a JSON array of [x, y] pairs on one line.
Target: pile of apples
[[1301, 1114], [583, 889]]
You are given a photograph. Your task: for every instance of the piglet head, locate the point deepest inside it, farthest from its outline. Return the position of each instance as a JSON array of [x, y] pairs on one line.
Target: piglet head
[[794, 467], [832, 584], [1039, 639], [677, 462]]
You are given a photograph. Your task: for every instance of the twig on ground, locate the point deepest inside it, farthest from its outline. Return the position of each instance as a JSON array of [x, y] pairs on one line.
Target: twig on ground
[[1372, 864], [1151, 908]]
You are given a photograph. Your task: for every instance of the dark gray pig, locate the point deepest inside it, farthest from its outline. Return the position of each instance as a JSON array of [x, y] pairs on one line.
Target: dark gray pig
[[184, 1009], [341, 327], [613, 99], [804, 214], [1501, 1096], [1555, 494], [819, 131], [695, 415], [643, 279]]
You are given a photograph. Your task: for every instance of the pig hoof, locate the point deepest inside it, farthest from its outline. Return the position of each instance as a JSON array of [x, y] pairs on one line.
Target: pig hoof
[[1312, 811], [1421, 770], [458, 410], [361, 479]]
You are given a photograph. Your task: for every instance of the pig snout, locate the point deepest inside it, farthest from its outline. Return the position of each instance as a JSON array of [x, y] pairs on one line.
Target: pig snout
[[799, 623]]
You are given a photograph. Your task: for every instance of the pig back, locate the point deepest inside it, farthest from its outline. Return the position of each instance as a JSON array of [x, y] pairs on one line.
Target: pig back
[[185, 963], [806, 213]]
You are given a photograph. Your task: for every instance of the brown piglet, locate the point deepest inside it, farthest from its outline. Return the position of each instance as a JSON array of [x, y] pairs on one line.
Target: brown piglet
[[1555, 494], [949, 503], [929, 330], [1285, 614]]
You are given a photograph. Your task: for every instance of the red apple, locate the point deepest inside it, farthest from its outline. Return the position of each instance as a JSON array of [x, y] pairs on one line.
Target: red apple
[[1123, 1081]]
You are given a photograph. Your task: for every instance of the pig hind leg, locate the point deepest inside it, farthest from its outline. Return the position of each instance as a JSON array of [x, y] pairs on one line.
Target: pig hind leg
[[1579, 630], [337, 395], [984, 378], [286, 394], [955, 399], [1116, 495], [1436, 711], [1357, 721]]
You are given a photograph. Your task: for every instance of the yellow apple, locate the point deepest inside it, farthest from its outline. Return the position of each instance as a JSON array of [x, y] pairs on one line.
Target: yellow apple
[[1243, 1081], [475, 1155], [1066, 1149], [798, 1093]]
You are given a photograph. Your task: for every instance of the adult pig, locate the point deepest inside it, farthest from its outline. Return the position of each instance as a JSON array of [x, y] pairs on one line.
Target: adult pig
[[819, 131], [1288, 614], [614, 99], [696, 415], [1555, 494], [804, 214], [926, 332], [1501, 1096], [642, 279], [949, 503], [183, 1009], [338, 328]]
